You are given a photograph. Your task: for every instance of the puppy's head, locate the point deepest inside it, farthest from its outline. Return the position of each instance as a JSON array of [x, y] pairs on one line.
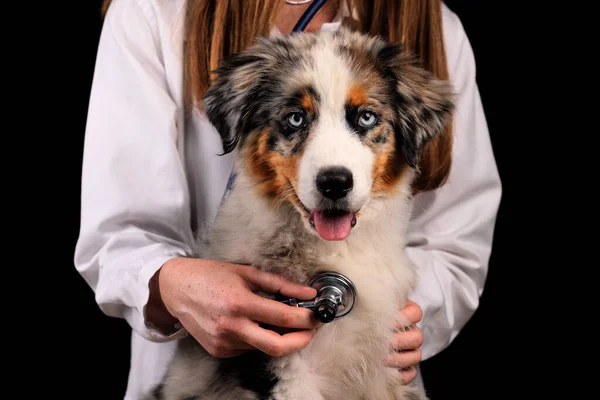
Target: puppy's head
[[326, 121]]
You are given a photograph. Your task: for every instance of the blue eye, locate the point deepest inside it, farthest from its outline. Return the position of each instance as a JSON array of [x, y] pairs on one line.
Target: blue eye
[[367, 119], [295, 120]]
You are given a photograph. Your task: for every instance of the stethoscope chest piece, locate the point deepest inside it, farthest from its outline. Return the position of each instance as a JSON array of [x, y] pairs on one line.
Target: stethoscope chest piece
[[336, 297]]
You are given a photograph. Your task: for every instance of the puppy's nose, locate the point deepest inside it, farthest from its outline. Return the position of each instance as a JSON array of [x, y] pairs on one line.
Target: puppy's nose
[[334, 182]]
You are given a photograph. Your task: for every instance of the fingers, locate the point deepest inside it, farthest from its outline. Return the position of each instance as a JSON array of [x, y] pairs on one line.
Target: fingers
[[220, 353], [408, 375], [272, 343], [407, 340], [411, 313], [404, 359], [238, 346], [218, 342], [274, 313], [275, 283], [407, 343], [223, 347]]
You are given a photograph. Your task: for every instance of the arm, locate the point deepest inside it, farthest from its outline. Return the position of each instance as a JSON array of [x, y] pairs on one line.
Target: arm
[[450, 234], [135, 236], [135, 208]]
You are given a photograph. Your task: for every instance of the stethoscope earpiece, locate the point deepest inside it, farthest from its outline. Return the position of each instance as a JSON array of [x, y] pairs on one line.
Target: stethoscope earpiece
[[336, 296]]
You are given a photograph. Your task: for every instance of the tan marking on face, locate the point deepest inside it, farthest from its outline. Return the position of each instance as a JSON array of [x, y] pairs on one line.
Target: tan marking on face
[[307, 102], [276, 175], [357, 95], [388, 168]]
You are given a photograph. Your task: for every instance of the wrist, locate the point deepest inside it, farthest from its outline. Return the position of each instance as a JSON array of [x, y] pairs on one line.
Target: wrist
[[156, 310]]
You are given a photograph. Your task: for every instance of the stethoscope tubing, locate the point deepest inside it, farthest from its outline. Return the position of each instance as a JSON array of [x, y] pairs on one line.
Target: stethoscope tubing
[[308, 15]]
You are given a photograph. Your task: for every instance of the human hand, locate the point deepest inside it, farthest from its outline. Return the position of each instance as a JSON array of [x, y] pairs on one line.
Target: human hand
[[406, 342], [215, 303]]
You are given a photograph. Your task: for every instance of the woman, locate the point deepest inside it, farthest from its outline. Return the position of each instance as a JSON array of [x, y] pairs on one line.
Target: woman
[[152, 178]]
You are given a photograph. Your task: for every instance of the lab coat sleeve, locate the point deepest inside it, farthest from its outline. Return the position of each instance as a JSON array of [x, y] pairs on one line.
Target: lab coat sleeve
[[450, 233], [134, 198]]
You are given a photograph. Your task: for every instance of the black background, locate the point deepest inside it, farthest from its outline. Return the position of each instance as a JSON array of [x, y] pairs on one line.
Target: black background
[[95, 348]]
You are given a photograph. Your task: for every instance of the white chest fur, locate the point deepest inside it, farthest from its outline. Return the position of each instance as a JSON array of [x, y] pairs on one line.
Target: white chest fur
[[349, 352]]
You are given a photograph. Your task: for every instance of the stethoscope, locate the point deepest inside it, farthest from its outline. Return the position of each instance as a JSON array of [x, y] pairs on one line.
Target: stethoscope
[[336, 297], [308, 15], [336, 294]]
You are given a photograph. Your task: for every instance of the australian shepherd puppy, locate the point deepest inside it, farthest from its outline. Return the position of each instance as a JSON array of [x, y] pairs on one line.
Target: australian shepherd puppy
[[327, 129]]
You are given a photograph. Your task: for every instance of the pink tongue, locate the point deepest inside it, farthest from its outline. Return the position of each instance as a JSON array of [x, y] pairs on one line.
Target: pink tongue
[[332, 227]]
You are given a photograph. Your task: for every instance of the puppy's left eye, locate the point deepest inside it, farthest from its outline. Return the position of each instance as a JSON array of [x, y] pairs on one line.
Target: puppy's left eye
[[367, 119], [295, 120]]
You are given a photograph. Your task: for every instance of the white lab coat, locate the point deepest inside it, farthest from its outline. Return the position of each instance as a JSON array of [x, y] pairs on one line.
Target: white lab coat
[[151, 176]]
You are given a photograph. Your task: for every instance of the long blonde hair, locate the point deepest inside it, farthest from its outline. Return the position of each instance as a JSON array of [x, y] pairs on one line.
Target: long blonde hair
[[218, 28]]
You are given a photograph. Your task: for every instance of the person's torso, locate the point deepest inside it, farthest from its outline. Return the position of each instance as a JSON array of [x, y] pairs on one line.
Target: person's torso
[[207, 171]]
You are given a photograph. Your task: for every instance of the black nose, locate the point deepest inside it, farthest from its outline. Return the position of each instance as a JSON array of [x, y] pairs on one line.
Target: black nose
[[334, 182]]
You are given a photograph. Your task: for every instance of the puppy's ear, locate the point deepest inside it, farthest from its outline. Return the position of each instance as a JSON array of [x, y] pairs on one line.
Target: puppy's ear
[[424, 103], [232, 103]]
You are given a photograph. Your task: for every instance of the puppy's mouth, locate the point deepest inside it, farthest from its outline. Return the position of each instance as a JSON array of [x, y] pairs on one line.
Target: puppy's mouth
[[332, 224]]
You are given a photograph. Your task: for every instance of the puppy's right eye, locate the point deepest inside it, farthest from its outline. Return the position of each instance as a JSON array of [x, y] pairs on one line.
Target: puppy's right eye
[[295, 120]]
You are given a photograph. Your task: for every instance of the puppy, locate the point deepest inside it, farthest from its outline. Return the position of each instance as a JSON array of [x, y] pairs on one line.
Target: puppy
[[327, 129]]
